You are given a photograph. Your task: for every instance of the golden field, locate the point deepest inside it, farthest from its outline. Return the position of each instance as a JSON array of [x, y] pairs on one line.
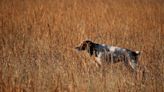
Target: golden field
[[38, 37]]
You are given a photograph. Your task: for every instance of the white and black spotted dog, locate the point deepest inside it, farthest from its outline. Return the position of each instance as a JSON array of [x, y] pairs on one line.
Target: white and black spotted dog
[[110, 54]]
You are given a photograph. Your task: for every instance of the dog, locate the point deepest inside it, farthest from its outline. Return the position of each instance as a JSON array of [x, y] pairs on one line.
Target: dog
[[110, 54]]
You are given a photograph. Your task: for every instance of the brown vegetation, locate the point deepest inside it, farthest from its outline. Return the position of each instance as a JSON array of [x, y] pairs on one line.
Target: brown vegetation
[[37, 40]]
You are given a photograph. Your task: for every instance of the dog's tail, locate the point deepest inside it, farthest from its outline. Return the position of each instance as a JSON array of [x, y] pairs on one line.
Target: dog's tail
[[137, 52]]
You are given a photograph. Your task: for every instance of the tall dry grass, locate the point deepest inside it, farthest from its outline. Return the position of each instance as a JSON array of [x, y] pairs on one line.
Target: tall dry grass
[[37, 40]]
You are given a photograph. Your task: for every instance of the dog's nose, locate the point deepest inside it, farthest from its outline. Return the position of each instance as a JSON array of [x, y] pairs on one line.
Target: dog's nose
[[77, 48]]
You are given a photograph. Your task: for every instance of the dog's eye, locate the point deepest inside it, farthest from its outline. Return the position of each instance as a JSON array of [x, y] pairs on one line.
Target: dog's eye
[[84, 46]]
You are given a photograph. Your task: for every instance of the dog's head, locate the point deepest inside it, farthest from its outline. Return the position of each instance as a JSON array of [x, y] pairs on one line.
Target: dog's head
[[86, 45]]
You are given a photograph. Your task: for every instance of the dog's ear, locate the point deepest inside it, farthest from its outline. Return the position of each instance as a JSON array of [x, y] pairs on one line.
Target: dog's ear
[[90, 48]]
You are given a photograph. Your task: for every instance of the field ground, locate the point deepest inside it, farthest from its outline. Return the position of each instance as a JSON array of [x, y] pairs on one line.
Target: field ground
[[37, 40]]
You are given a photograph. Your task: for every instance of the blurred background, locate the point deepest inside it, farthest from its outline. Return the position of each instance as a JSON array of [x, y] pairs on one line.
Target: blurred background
[[38, 37]]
